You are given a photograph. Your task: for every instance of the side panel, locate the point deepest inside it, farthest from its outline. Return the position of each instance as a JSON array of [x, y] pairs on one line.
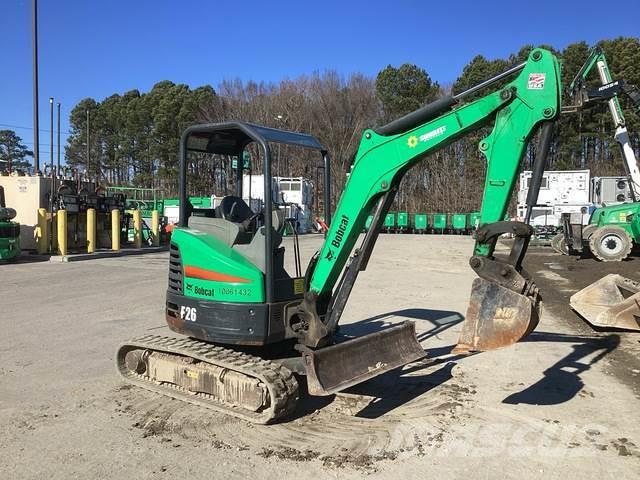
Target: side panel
[[225, 322], [214, 271]]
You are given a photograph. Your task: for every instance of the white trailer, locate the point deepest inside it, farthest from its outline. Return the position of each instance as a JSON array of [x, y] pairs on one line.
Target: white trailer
[[561, 191], [611, 190], [297, 194]]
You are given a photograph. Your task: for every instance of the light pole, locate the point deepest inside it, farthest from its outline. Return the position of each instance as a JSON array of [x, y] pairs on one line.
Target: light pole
[[88, 149], [58, 169], [51, 133], [36, 123], [58, 138], [280, 118]]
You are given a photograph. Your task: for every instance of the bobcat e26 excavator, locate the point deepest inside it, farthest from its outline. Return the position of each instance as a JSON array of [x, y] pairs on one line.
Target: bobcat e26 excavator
[[231, 297]]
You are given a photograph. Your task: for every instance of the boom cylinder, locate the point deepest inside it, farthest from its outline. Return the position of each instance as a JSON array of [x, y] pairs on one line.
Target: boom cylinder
[[539, 165]]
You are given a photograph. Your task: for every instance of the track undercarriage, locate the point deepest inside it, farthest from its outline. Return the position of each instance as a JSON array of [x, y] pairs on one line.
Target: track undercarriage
[[225, 380]]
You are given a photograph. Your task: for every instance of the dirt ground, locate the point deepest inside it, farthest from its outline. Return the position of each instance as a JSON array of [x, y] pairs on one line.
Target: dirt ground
[[561, 404]]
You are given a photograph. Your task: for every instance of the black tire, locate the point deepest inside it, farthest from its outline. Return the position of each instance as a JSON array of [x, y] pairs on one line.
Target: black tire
[[588, 230], [559, 244], [610, 244]]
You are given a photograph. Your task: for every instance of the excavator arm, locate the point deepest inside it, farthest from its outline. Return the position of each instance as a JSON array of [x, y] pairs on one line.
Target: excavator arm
[[385, 154]]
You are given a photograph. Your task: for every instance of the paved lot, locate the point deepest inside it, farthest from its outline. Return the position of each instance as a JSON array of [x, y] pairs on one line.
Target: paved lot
[[562, 404]]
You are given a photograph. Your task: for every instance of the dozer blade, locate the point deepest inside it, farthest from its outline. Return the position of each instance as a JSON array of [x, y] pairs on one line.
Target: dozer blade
[[334, 368], [611, 302], [496, 317]]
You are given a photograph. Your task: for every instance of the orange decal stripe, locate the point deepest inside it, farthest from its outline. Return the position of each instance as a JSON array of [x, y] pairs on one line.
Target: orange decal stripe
[[202, 274]]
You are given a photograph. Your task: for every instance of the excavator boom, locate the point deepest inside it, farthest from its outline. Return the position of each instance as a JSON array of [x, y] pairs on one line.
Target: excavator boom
[[504, 303]]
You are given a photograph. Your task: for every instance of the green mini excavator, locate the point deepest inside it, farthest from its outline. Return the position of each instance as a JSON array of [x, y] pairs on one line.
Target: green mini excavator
[[235, 304]]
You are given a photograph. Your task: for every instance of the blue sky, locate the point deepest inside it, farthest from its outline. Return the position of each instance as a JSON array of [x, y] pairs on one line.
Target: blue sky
[[93, 48]]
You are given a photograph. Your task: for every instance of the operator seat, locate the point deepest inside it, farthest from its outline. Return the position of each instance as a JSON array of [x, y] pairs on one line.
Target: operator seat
[[235, 225], [255, 250], [234, 209], [234, 222]]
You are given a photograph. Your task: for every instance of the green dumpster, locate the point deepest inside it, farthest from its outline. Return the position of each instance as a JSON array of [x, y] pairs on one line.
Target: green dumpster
[[420, 223], [403, 221], [439, 222], [474, 220], [390, 222], [459, 223]]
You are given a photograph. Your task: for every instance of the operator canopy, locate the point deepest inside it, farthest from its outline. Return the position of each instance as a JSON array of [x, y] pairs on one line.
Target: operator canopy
[[230, 138]]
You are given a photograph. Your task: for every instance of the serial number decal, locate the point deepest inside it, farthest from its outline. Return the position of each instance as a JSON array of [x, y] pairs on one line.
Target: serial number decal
[[298, 286], [239, 291], [189, 314]]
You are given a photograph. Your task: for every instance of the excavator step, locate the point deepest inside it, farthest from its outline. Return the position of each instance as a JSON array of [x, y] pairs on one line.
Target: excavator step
[[611, 302]]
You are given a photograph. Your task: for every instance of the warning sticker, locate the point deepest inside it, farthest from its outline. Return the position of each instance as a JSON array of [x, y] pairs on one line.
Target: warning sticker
[[298, 286], [536, 81]]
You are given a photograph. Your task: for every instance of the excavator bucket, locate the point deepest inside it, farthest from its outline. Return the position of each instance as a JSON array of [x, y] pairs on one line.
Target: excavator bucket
[[611, 302], [497, 317], [340, 366]]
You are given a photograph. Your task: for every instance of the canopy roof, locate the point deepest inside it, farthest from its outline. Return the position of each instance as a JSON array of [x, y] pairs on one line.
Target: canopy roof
[[230, 138]]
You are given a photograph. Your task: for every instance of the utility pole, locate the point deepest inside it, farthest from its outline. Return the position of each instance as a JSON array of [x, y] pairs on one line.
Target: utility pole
[[88, 150], [51, 133], [58, 169], [52, 176], [36, 123]]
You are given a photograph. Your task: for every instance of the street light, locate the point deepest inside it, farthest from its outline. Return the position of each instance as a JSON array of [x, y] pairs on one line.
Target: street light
[[58, 169], [280, 118], [36, 123], [51, 133]]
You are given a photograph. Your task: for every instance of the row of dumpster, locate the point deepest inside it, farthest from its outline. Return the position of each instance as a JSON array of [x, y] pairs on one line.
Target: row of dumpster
[[421, 223]]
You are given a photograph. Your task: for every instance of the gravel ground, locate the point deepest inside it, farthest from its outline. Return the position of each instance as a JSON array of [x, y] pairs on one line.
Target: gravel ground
[[562, 403]]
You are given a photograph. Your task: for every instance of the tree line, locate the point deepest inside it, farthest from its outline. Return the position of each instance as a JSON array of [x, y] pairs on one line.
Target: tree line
[[132, 138]]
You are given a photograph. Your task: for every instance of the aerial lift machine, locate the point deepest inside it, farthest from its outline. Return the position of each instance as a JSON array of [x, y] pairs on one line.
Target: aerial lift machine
[[613, 229]]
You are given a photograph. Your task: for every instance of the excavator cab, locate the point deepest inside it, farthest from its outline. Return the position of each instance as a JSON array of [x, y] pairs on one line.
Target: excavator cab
[[228, 282]]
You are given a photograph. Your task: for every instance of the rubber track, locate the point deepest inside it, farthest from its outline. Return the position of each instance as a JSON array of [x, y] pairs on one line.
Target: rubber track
[[280, 382]]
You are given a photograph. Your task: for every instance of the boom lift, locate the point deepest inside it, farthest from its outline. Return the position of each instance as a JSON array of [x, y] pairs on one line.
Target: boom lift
[[229, 292], [613, 301], [613, 229]]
